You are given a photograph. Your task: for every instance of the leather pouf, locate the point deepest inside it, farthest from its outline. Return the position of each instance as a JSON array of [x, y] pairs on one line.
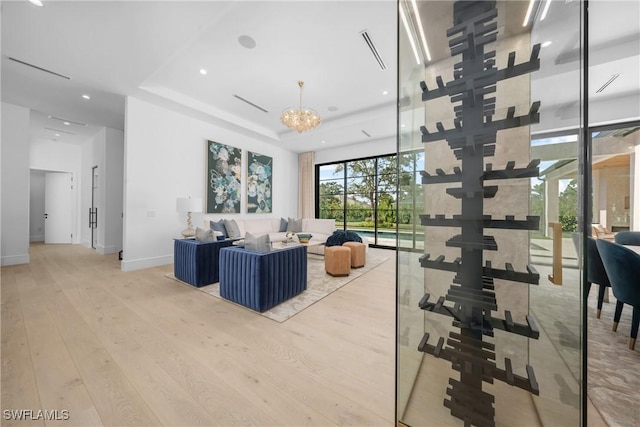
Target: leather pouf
[[337, 260], [358, 254]]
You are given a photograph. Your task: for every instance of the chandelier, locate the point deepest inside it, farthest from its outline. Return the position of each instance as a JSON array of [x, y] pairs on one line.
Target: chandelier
[[302, 118]]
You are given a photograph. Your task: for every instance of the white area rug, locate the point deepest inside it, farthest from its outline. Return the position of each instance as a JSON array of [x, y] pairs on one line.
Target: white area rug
[[319, 285]]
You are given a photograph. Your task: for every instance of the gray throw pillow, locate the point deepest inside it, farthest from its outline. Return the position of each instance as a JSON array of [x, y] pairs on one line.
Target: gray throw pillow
[[219, 226], [294, 225], [205, 236], [257, 243], [232, 228], [283, 225]]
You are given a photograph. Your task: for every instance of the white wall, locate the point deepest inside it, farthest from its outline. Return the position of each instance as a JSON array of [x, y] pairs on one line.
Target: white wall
[[47, 155], [36, 206], [356, 151], [106, 151], [14, 209], [165, 159], [114, 167]]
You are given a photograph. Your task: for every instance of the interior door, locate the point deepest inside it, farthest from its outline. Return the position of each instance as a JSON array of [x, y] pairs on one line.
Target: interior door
[[93, 210], [57, 207]]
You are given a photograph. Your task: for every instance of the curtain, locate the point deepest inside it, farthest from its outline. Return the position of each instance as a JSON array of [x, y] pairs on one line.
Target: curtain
[[306, 185]]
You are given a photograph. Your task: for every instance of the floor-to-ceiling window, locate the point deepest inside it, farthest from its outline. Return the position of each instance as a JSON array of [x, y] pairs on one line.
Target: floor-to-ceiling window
[[378, 197]]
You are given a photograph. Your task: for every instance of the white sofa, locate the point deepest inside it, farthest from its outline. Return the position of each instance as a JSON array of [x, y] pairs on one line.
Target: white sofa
[[320, 229]]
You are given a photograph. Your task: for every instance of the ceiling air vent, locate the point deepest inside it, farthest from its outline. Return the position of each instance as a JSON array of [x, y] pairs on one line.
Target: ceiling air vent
[[366, 133], [611, 79], [67, 121], [39, 68], [374, 50], [59, 131], [250, 103]]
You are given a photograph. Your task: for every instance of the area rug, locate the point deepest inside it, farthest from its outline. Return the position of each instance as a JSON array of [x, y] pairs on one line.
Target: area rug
[[319, 285]]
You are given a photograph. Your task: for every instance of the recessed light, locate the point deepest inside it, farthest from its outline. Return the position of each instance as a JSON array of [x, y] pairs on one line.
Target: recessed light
[[324, 142], [247, 42], [36, 2], [547, 43], [203, 71], [57, 134], [385, 92], [402, 125], [85, 96], [66, 123]]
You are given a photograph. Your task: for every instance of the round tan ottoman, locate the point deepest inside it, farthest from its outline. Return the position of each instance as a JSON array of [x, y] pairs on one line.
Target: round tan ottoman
[[358, 253], [337, 260]]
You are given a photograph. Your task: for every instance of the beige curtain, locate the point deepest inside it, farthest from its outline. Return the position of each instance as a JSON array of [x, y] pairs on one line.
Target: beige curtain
[[306, 185]]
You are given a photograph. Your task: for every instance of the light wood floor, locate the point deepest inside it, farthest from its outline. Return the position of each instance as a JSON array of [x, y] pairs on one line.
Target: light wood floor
[[137, 348]]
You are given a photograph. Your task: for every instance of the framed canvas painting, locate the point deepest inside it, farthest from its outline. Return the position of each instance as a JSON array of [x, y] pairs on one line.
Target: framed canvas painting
[[259, 182], [224, 170]]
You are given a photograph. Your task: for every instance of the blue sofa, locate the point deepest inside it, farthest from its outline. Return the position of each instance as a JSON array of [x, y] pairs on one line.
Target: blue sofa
[[196, 262], [262, 280]]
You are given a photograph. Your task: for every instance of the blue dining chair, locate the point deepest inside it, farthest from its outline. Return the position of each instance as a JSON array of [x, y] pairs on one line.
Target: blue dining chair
[[595, 270], [623, 267], [627, 238]]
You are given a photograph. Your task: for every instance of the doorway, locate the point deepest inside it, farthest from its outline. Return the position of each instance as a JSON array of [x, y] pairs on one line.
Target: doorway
[[58, 196], [93, 210]]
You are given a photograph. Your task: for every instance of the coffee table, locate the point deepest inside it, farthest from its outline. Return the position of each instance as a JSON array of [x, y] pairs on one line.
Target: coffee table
[[310, 244]]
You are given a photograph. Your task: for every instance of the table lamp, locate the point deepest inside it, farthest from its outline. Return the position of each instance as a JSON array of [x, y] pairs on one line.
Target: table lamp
[[188, 205]]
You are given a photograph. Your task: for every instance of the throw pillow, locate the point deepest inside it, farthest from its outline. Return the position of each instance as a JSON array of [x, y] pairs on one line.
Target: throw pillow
[[219, 226], [294, 225], [205, 236], [340, 236], [232, 228], [257, 243], [283, 225]]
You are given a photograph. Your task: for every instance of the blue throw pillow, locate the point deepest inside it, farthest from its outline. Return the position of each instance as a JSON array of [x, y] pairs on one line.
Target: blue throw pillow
[[219, 226], [283, 225]]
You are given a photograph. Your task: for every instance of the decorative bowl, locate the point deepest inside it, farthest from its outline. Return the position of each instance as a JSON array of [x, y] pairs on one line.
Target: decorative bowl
[[304, 237]]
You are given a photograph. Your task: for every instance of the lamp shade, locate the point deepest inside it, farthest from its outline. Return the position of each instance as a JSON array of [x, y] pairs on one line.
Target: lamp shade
[[189, 204]]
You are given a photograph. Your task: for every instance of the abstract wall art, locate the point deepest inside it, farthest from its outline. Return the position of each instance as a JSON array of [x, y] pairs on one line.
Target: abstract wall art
[[259, 182], [224, 172]]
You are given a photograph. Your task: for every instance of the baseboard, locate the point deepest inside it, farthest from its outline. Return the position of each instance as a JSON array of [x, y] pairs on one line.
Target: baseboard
[[146, 263], [105, 250], [36, 239], [6, 261]]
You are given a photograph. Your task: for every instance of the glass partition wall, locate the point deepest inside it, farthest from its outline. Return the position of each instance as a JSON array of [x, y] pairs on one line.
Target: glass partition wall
[[489, 304]]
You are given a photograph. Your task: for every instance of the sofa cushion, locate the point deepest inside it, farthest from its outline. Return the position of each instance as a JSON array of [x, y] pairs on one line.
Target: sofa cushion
[[219, 226], [232, 228], [260, 226], [206, 236], [294, 225], [319, 226], [257, 243]]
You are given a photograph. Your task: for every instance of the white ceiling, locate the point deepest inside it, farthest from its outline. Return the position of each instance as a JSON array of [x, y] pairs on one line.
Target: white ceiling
[[155, 49]]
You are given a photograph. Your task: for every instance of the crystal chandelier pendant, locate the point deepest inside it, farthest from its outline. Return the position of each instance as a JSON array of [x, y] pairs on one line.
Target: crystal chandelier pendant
[[302, 118]]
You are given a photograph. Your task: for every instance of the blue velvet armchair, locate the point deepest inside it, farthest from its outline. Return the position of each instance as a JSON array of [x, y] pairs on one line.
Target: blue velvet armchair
[[262, 280], [196, 262]]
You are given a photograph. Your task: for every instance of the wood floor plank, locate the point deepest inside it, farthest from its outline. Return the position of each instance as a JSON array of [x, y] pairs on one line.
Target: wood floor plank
[[247, 379], [60, 386], [19, 388], [117, 401], [151, 351]]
